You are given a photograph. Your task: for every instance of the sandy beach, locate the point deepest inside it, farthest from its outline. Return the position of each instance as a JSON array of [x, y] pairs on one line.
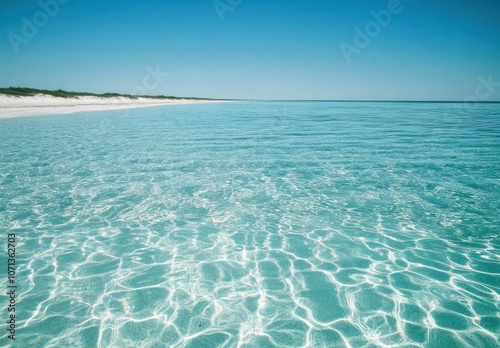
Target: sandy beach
[[49, 105]]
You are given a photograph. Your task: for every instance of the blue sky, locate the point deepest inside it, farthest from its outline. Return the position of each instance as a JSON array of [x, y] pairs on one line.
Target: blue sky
[[259, 49]]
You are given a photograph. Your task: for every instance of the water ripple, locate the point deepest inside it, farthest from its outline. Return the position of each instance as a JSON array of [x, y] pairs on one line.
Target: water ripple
[[255, 225]]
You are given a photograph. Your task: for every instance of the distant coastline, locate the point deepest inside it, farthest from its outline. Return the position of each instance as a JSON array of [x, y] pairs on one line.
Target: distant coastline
[[17, 101]]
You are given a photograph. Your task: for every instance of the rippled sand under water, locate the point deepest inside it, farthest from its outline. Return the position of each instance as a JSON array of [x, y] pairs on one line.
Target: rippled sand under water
[[256, 225]]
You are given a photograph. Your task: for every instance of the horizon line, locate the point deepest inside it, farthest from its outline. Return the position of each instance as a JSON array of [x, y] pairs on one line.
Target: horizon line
[[375, 101], [268, 100]]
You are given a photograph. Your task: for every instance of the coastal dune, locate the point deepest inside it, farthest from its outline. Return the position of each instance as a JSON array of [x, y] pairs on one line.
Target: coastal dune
[[41, 104]]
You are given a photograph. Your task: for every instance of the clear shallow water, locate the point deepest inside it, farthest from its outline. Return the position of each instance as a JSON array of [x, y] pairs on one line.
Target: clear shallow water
[[255, 225]]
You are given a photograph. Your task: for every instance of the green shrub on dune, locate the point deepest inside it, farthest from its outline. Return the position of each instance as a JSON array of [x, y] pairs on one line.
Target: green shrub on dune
[[29, 92]]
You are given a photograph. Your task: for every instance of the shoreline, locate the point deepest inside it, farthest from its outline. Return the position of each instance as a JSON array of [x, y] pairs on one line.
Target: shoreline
[[41, 105]]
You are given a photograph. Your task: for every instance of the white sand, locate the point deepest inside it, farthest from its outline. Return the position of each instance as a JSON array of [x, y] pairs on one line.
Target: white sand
[[41, 104]]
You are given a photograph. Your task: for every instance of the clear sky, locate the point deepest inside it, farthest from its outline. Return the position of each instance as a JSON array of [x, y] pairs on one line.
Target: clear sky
[[259, 49]]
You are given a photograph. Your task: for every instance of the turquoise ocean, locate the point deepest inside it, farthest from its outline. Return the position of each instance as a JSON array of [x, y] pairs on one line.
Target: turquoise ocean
[[254, 224]]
